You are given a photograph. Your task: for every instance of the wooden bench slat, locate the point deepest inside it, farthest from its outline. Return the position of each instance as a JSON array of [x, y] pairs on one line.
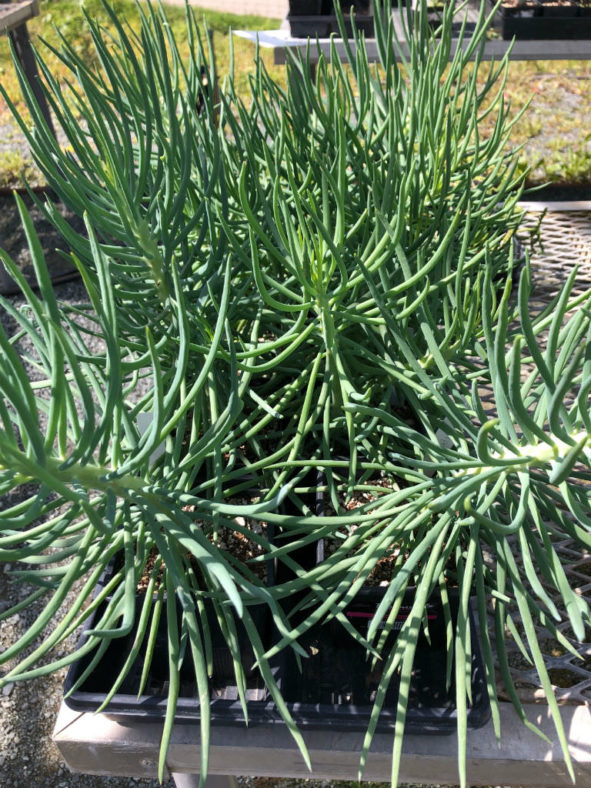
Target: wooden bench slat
[[96, 744], [15, 14]]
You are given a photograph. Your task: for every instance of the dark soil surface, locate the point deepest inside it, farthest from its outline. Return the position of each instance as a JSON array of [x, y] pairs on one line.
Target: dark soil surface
[[13, 240]]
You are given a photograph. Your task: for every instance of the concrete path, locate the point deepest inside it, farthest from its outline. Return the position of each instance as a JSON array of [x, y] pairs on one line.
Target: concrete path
[[276, 9]]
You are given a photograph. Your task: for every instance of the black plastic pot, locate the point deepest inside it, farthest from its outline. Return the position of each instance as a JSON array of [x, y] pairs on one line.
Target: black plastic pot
[[546, 22], [316, 18], [336, 686], [225, 706], [224, 703]]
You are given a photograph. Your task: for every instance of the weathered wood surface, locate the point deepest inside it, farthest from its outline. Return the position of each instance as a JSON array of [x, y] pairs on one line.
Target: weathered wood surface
[[15, 14], [280, 42], [97, 745], [213, 781]]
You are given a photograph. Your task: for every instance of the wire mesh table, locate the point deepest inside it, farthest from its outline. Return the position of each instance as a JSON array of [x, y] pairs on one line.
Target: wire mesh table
[[563, 242]]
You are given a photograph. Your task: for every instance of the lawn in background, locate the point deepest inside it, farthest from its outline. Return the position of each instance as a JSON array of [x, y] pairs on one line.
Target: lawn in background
[[555, 132]]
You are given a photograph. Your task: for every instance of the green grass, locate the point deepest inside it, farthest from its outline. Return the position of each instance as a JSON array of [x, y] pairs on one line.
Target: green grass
[[68, 16], [556, 129], [555, 132], [14, 165]]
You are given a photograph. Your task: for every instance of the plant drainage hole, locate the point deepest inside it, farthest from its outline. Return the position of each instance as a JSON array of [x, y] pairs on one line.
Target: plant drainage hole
[[517, 661], [564, 678], [583, 569], [552, 648]]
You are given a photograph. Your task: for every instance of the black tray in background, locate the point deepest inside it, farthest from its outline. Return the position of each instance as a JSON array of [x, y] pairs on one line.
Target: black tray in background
[[316, 18], [545, 22], [324, 26]]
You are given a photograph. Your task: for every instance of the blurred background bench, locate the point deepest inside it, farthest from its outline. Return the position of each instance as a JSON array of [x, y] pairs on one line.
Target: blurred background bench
[[13, 22]]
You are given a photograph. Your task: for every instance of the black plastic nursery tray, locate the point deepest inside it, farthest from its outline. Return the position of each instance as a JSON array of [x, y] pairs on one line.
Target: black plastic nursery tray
[[337, 685], [323, 26], [315, 18], [224, 702], [334, 689], [545, 21]]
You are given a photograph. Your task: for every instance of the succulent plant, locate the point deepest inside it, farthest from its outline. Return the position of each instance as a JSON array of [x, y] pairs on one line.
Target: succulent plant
[[305, 290]]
